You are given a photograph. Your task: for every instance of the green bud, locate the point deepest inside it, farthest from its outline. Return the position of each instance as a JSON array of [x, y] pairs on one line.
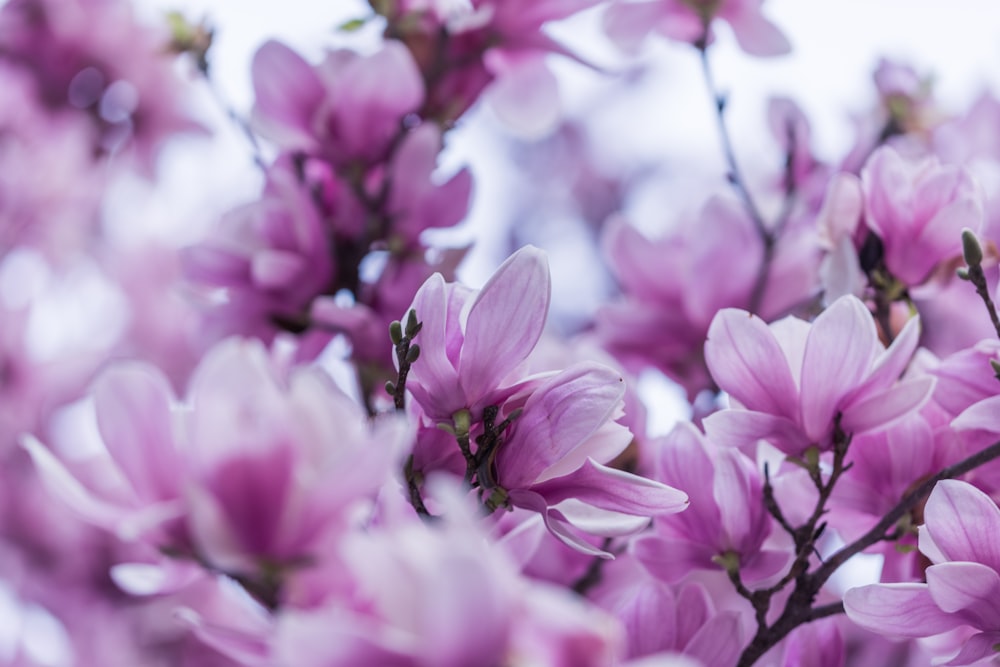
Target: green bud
[[412, 325], [413, 354], [390, 388], [463, 422], [971, 250], [962, 273], [995, 365], [811, 458], [396, 332]]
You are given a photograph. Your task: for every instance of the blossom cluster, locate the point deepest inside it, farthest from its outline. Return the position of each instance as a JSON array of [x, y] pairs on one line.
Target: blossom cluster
[[296, 437]]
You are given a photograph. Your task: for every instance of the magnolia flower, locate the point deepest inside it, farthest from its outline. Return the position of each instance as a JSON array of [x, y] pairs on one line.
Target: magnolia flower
[[553, 453], [918, 209], [961, 537], [628, 23], [471, 342], [727, 522], [255, 471], [794, 381]]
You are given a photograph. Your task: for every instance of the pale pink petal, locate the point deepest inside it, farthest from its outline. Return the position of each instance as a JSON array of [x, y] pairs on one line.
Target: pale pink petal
[[671, 560], [839, 353], [898, 610], [965, 523], [526, 99], [276, 268], [972, 590], [557, 524], [745, 360], [133, 405], [982, 416], [62, 484], [558, 417], [719, 641], [288, 92], [976, 648], [505, 321], [758, 36], [628, 23], [882, 409], [741, 428], [761, 568], [841, 211], [891, 363], [615, 490]]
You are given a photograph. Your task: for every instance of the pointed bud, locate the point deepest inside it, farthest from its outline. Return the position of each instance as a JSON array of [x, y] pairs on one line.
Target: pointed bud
[[390, 388], [396, 332], [962, 273], [995, 365], [413, 354], [971, 250], [412, 325]]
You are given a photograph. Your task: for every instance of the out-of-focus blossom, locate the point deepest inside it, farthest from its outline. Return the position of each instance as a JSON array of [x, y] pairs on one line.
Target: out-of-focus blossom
[[349, 108], [252, 475], [94, 57], [628, 23], [675, 285], [959, 536], [794, 381]]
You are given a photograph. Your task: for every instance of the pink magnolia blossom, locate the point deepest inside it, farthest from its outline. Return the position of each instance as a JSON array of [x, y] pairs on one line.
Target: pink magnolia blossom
[[673, 287], [628, 23], [95, 58], [793, 381], [727, 522], [257, 470], [553, 453], [272, 257], [918, 210], [959, 536], [350, 107], [472, 342]]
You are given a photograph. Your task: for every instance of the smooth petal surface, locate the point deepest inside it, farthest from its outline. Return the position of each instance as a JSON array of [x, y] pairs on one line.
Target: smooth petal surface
[[288, 93], [133, 405], [971, 590], [616, 490], [898, 610], [746, 361], [558, 417], [964, 523], [839, 353], [505, 321], [882, 409]]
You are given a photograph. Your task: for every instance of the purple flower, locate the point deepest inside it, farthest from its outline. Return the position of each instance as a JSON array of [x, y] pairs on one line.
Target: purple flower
[[794, 380], [961, 536], [553, 453], [472, 342]]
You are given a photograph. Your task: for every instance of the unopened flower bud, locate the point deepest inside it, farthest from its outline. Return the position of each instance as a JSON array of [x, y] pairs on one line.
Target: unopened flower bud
[[971, 250], [396, 332], [413, 354]]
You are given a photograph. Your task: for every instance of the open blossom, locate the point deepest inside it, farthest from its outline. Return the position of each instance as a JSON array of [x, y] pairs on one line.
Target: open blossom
[[255, 469], [727, 522], [471, 342], [554, 452], [673, 287], [794, 381], [960, 537], [628, 23]]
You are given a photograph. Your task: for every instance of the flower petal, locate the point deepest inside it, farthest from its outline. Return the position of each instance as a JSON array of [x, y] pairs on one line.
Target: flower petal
[[615, 490], [964, 523], [898, 610], [970, 589], [505, 321], [839, 352], [745, 360]]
